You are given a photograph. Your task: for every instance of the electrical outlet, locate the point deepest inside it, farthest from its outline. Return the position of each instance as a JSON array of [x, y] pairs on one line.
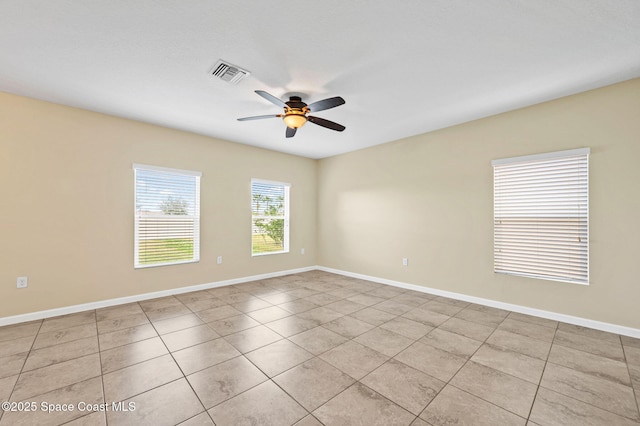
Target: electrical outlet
[[301, 251], [219, 260], [22, 282], [405, 261]]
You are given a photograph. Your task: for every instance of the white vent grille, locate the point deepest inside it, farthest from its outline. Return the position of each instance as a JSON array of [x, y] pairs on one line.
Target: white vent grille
[[227, 72]]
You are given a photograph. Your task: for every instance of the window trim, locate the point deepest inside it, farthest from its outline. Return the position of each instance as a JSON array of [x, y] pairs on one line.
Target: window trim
[[584, 216], [196, 245], [287, 215]]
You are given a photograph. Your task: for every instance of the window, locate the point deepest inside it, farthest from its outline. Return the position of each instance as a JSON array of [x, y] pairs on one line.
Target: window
[[167, 216], [269, 217], [541, 216]]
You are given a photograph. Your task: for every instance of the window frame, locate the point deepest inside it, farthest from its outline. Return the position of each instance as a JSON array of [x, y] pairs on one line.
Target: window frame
[[196, 217], [540, 203], [286, 217]]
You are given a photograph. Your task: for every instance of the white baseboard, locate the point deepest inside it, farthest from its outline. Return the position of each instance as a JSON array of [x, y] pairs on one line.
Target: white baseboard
[[145, 296], [584, 322]]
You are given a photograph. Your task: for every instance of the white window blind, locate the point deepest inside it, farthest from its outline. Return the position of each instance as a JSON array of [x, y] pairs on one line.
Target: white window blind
[[269, 217], [167, 216], [541, 216]]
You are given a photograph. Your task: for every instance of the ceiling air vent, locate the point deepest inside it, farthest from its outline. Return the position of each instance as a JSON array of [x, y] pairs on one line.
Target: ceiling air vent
[[227, 72]]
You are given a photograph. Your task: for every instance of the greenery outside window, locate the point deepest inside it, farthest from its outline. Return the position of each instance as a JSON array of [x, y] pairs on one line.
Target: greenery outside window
[[269, 217], [167, 216]]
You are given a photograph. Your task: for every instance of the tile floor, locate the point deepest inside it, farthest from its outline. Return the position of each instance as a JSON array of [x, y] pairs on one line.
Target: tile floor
[[312, 349]]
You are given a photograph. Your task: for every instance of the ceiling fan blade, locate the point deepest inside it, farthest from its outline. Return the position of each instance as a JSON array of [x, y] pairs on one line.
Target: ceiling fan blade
[[271, 98], [290, 132], [259, 117], [326, 104], [326, 123]]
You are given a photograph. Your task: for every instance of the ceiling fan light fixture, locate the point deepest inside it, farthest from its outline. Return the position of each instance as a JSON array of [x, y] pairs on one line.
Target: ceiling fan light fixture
[[294, 119]]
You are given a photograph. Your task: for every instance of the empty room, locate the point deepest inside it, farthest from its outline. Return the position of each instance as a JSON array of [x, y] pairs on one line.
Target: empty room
[[339, 213]]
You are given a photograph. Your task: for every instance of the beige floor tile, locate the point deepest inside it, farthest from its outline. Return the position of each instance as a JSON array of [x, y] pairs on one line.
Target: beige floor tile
[[489, 319], [393, 307], [309, 421], [318, 340], [126, 336], [18, 331], [194, 296], [202, 419], [265, 404], [12, 364], [552, 408], [120, 323], [269, 314], [232, 325], [204, 355], [165, 405], [54, 354], [506, 391], [384, 341], [67, 321], [216, 384], [277, 357], [345, 307], [320, 315], [533, 320], [218, 313], [159, 303], [279, 298], [602, 393], [468, 329], [289, 326], [426, 317], [590, 332], [253, 338], [510, 362], [251, 305], [409, 388], [454, 302], [592, 345], [387, 292], [113, 312], [453, 406], [359, 405], [138, 378], [348, 326], [188, 337], [322, 299], [327, 381], [6, 387], [297, 306], [372, 316], [632, 355], [448, 341], [237, 297], [96, 418], [88, 392], [46, 379], [528, 329], [431, 360], [133, 353], [204, 304], [519, 343], [167, 312], [63, 336], [354, 359], [407, 328], [413, 298], [630, 342], [366, 299], [605, 368], [441, 308], [16, 346], [177, 323]]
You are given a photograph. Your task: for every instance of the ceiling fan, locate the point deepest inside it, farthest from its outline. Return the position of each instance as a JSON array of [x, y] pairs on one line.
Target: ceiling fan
[[296, 112]]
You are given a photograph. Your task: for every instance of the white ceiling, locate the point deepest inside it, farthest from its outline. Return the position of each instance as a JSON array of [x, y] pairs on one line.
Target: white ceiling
[[404, 68]]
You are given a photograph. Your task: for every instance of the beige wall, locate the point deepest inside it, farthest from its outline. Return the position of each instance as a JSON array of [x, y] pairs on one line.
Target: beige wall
[[429, 198], [67, 203]]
